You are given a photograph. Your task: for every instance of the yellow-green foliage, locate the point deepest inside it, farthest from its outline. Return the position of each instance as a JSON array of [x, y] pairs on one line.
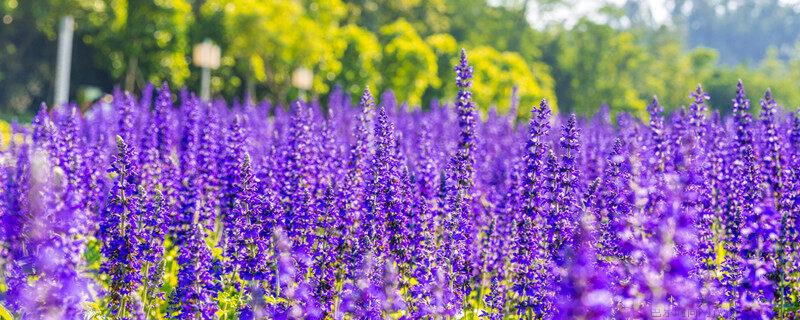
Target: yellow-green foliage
[[360, 54], [496, 73], [779, 76], [598, 64], [4, 314], [445, 48], [5, 133], [140, 40], [670, 70], [409, 64], [406, 45], [270, 39]]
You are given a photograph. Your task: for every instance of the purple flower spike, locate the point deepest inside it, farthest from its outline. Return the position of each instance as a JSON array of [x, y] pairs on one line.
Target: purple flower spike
[[118, 232], [460, 222], [195, 292]]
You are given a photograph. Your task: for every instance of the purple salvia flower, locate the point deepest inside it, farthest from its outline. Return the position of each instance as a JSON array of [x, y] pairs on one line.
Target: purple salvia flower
[[389, 101], [564, 211], [194, 295], [18, 215], [118, 232], [697, 109], [257, 307], [297, 185], [677, 136], [377, 296], [658, 274], [659, 144], [756, 291], [583, 289], [676, 239], [500, 245], [207, 167], [386, 207], [355, 183], [772, 155], [592, 157], [149, 156], [425, 225], [161, 119], [190, 140], [41, 279], [187, 213], [42, 127], [551, 189], [146, 98], [531, 256], [393, 300], [326, 266], [363, 298], [153, 229], [124, 106], [459, 224], [696, 133], [95, 184], [165, 171], [73, 215], [229, 164], [774, 174], [713, 198], [245, 246], [614, 203], [746, 186], [794, 135], [297, 301]]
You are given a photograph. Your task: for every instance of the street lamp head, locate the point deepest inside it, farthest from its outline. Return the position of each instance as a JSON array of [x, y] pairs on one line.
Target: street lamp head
[[206, 55], [302, 78]]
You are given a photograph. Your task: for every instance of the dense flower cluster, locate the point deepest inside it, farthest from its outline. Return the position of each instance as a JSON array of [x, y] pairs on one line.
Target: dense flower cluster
[[185, 209]]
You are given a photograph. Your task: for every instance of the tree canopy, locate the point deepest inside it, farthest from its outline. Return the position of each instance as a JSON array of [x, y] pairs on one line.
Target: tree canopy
[[407, 46]]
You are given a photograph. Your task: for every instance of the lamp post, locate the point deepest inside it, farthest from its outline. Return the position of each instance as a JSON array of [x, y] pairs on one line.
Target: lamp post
[[206, 55], [303, 79], [63, 60]]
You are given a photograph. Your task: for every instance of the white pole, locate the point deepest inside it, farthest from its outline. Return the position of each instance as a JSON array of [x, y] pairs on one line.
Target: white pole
[[206, 55], [205, 84], [64, 60]]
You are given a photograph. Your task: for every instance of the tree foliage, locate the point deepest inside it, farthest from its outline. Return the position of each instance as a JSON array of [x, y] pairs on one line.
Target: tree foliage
[[597, 66], [360, 56], [409, 64], [142, 41], [497, 73], [407, 46]]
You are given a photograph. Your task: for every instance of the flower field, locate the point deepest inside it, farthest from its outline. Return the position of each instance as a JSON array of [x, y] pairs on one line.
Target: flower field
[[167, 207]]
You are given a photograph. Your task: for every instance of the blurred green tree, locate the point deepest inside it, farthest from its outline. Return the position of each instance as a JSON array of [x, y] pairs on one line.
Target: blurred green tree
[[268, 40], [446, 49], [408, 46], [28, 34], [595, 64], [142, 41], [497, 73], [360, 57], [667, 70], [409, 64], [426, 16]]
